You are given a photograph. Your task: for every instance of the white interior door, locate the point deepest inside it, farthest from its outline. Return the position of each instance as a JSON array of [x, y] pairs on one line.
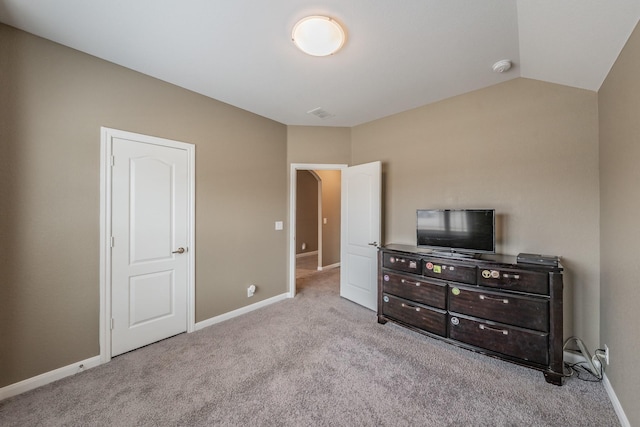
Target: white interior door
[[150, 229], [361, 194]]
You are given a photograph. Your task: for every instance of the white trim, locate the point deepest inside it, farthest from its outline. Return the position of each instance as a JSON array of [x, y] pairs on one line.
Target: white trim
[[48, 377], [319, 215], [329, 267], [75, 368], [106, 134], [574, 357], [105, 252], [622, 417], [306, 254], [191, 285], [294, 167], [240, 311]]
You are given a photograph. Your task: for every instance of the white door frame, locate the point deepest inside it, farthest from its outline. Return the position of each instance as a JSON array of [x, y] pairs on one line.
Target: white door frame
[[292, 214], [106, 134], [319, 218]]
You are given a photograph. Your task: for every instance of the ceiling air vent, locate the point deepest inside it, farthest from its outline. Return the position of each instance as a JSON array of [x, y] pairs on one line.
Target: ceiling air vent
[[319, 112]]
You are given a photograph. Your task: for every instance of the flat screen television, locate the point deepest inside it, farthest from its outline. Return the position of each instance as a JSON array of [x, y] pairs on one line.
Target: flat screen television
[[465, 231]]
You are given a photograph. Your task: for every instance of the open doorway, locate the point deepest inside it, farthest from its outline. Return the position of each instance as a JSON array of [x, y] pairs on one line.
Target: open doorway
[[315, 219], [308, 223]]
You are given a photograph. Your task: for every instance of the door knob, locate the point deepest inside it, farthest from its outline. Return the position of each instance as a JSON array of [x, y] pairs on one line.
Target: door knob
[[179, 251]]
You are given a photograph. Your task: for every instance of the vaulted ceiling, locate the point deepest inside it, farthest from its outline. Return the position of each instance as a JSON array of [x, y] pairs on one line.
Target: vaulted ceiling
[[398, 55]]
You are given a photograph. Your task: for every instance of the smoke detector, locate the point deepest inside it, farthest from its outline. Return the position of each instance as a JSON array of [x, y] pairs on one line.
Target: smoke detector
[[502, 66]]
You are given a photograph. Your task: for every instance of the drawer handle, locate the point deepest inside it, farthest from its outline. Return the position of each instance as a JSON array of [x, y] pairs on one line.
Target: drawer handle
[[410, 307], [504, 300], [511, 276], [406, 281], [502, 331]]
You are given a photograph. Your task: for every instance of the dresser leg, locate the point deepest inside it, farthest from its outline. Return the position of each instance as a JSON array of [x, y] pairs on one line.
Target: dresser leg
[[382, 320], [553, 378]]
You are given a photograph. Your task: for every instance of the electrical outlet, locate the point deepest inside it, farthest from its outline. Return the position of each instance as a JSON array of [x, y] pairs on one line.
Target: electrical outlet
[[606, 354], [251, 290]]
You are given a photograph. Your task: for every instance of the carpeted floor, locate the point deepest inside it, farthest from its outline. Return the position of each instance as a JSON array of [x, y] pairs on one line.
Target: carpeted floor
[[316, 359]]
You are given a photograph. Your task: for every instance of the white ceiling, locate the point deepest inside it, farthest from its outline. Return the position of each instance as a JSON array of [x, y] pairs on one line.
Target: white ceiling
[[399, 54]]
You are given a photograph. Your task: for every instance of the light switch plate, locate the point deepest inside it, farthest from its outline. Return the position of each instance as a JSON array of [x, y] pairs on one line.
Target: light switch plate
[[278, 225]]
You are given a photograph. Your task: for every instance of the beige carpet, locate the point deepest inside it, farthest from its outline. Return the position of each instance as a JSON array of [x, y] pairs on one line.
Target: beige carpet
[[313, 360]]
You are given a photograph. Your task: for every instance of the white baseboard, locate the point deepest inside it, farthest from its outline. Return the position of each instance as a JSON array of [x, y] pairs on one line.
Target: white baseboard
[[304, 254], [572, 357], [622, 417], [48, 377], [240, 311], [328, 267], [74, 368]]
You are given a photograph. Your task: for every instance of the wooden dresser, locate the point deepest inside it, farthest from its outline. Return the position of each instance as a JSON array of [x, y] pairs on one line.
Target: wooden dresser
[[491, 305]]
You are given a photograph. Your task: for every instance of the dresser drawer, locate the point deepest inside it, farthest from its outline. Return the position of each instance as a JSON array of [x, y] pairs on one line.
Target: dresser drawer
[[534, 282], [402, 263], [418, 315], [515, 342], [415, 289], [449, 270], [523, 311]]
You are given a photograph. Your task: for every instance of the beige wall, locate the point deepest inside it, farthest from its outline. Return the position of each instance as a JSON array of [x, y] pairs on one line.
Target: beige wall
[[320, 145], [331, 212], [306, 212], [53, 101], [619, 108], [526, 148]]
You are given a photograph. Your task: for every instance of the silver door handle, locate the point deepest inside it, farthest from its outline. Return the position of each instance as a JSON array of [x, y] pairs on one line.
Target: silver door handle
[[373, 244], [179, 251]]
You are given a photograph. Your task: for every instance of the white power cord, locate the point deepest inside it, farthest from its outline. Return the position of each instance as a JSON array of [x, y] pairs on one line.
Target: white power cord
[[591, 361]]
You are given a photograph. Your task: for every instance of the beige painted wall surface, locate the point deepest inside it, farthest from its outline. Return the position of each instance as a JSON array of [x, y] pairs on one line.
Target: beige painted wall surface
[[306, 212], [619, 109], [331, 211], [526, 148], [321, 145], [53, 101]]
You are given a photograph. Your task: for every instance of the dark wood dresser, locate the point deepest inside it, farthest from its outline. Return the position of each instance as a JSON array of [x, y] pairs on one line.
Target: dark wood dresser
[[491, 305]]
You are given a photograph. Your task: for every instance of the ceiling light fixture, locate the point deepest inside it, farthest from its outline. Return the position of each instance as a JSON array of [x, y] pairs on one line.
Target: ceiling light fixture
[[318, 35]]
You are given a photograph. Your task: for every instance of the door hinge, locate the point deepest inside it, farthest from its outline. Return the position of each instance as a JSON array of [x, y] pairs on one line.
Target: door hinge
[[112, 323], [112, 242]]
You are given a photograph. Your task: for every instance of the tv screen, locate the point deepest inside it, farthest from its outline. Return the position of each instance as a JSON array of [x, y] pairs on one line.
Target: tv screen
[[457, 230]]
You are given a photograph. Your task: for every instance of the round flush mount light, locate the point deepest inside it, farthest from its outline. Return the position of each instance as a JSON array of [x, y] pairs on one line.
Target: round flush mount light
[[318, 35], [502, 66]]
